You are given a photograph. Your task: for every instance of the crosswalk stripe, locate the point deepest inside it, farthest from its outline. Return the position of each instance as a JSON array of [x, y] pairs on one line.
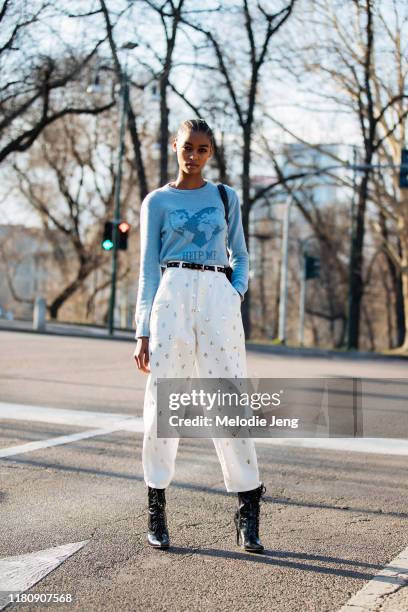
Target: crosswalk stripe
[[390, 579]]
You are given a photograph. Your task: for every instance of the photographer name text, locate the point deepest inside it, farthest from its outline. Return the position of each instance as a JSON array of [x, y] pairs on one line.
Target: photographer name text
[[235, 421]]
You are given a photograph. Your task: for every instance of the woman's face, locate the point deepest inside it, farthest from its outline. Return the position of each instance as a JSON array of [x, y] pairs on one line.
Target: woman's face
[[193, 151]]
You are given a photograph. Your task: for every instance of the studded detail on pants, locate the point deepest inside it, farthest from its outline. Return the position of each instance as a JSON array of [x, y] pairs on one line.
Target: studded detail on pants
[[196, 330]]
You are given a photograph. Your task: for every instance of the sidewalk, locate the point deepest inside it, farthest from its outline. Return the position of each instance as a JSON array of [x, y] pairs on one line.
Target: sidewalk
[[128, 335], [66, 329]]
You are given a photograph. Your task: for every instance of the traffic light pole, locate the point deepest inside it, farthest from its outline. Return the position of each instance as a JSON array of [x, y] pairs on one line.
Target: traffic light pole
[[116, 220], [303, 279], [284, 272], [302, 302]]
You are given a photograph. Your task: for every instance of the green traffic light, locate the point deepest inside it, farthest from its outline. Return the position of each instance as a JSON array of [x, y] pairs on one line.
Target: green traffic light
[[107, 245]]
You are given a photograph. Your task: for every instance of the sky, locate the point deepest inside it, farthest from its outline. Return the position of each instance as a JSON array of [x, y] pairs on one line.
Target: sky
[[294, 104]]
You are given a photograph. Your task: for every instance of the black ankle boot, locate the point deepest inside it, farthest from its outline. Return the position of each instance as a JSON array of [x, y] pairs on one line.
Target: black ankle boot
[[247, 519], [157, 534]]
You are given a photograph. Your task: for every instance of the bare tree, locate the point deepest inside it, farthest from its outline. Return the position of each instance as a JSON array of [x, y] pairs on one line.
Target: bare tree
[[30, 97], [347, 56], [243, 91], [159, 71], [68, 178], [170, 14], [131, 115], [392, 202]]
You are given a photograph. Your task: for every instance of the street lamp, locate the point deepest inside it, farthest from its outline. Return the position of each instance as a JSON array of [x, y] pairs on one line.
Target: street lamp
[[96, 86]]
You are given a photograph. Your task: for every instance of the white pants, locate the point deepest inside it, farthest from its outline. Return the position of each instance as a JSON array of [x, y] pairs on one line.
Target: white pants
[[195, 322]]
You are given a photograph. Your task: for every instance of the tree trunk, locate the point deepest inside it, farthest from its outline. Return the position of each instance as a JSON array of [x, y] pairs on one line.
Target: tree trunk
[[164, 130], [246, 163], [69, 290], [400, 309], [219, 157], [404, 277], [356, 264], [396, 282], [137, 151], [370, 327]]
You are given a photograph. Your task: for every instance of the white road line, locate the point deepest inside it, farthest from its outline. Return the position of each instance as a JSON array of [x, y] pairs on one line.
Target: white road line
[[389, 580], [62, 416], [128, 425], [380, 446], [17, 574], [111, 421]]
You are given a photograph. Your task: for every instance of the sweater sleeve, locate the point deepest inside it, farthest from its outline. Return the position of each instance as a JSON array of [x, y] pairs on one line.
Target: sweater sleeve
[[149, 274], [239, 258]]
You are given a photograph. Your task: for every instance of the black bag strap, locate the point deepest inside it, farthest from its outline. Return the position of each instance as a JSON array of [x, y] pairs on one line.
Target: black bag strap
[[224, 198]]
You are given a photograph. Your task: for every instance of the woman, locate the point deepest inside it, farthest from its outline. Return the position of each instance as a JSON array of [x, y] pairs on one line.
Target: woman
[[190, 316]]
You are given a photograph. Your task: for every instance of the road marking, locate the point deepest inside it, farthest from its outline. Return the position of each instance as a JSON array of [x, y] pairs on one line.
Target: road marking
[[128, 425], [111, 421], [17, 574], [388, 581], [379, 446], [62, 416], [106, 423]]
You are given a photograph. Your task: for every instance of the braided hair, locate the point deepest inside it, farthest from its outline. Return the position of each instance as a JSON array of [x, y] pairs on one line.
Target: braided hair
[[197, 125]]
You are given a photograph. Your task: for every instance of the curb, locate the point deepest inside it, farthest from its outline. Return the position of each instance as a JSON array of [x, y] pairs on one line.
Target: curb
[[250, 345], [316, 352], [67, 333]]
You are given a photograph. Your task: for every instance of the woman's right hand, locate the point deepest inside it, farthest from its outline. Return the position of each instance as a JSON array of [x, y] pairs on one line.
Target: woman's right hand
[[141, 354]]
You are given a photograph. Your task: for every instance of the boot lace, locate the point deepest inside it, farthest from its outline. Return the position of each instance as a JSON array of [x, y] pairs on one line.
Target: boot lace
[[158, 519], [250, 515], [252, 521], [157, 511]]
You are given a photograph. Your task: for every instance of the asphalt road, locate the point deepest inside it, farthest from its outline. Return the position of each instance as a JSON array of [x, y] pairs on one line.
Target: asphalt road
[[331, 521]]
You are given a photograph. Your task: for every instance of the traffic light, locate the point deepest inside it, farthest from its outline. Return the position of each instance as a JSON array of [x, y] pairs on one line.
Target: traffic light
[[123, 233], [403, 176], [312, 267], [107, 240]]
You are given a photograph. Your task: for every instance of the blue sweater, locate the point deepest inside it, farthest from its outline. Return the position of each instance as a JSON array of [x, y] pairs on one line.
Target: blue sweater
[[187, 225]]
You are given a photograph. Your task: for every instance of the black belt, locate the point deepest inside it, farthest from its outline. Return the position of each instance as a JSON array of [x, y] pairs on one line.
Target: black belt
[[194, 266]]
